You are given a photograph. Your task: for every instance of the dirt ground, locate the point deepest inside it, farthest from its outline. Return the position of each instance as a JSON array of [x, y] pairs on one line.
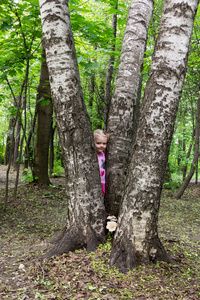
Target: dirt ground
[[40, 213], [12, 175]]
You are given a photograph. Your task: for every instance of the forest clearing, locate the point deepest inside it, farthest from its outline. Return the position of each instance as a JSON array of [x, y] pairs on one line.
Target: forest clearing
[[40, 213]]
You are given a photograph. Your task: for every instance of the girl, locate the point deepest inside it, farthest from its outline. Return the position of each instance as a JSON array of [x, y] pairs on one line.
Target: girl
[[101, 140]]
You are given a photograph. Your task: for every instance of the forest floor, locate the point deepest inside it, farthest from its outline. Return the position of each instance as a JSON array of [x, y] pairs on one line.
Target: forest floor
[[39, 213]]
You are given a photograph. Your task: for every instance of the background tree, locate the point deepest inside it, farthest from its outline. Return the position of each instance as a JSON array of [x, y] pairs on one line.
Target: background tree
[[180, 192], [20, 27], [109, 75], [44, 126], [20, 35]]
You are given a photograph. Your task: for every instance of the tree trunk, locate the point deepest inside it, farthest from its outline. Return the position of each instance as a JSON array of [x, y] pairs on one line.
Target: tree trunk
[[11, 148], [17, 142], [2, 153], [108, 90], [8, 143], [122, 118], [92, 89], [167, 177], [51, 150], [86, 224], [196, 175], [136, 239], [181, 190], [183, 149], [188, 155], [44, 123], [28, 159]]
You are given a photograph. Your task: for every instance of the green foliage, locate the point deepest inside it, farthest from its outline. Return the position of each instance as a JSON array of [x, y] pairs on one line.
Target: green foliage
[[20, 28], [28, 176], [172, 185], [20, 35], [93, 39], [43, 101], [58, 170]]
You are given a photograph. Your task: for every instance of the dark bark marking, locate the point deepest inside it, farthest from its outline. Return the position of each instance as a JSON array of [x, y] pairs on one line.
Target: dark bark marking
[[53, 18], [60, 89], [179, 9], [51, 41]]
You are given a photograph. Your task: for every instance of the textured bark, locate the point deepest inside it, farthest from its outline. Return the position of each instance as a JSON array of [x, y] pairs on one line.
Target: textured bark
[[86, 207], [136, 240], [44, 124], [185, 183], [122, 114]]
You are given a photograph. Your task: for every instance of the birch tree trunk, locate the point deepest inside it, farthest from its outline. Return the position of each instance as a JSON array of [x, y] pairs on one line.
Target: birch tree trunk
[[122, 114], [136, 240], [86, 208]]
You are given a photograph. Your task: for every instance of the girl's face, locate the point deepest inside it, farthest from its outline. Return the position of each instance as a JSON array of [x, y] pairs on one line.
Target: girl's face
[[100, 143]]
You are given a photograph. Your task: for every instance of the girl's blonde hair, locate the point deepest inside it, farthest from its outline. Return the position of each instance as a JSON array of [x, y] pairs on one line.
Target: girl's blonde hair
[[99, 132]]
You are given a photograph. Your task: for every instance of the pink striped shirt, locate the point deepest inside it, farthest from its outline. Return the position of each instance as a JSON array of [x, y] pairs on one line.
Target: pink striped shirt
[[102, 169]]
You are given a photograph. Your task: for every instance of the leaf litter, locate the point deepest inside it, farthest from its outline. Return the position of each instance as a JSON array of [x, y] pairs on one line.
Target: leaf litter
[[40, 213]]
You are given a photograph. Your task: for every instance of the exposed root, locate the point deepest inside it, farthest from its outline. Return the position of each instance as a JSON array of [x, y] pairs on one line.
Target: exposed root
[[55, 239], [72, 239], [124, 256], [161, 254]]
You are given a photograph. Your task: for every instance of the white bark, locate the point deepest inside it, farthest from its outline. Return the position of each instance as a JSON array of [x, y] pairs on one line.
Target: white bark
[[136, 239], [86, 207], [122, 114]]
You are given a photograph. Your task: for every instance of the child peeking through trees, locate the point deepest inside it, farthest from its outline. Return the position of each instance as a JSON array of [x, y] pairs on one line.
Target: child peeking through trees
[[101, 140]]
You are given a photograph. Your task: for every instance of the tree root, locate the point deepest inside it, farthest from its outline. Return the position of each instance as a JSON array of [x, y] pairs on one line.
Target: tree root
[[71, 239], [124, 256], [55, 239]]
